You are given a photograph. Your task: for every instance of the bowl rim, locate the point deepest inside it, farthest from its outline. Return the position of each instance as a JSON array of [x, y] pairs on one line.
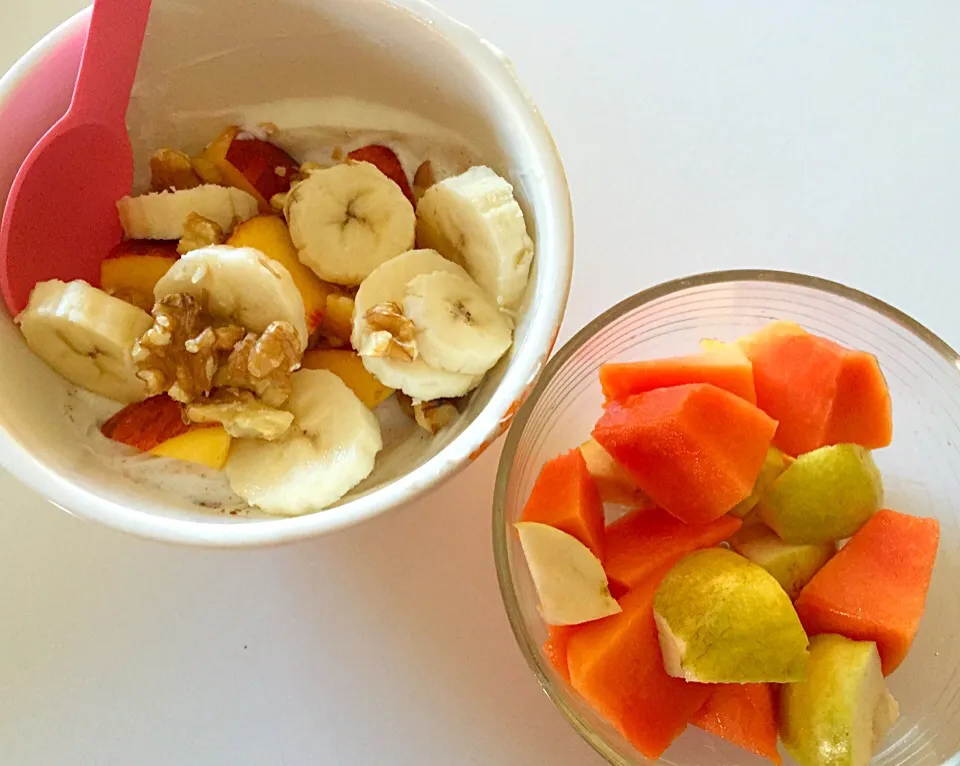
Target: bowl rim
[[529, 649], [555, 232]]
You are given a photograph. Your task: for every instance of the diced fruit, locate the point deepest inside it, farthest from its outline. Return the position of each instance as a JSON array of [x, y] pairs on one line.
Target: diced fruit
[[387, 162], [791, 565], [564, 496], [875, 588], [647, 540], [824, 495], [268, 168], [205, 445], [842, 711], [695, 450], [727, 368], [146, 424], [133, 277], [820, 392], [570, 580], [616, 667], [743, 714], [348, 366], [556, 646], [269, 235], [157, 247], [774, 464], [862, 412], [614, 482], [723, 619], [214, 168]]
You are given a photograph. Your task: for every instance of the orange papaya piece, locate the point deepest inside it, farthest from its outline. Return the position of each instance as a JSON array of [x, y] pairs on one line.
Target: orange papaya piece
[[728, 369], [564, 496], [616, 666], [694, 450], [820, 392], [875, 588], [743, 714], [862, 412], [645, 540], [556, 646]]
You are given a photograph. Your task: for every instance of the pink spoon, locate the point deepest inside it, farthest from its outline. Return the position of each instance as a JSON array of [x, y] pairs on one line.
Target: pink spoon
[[61, 219]]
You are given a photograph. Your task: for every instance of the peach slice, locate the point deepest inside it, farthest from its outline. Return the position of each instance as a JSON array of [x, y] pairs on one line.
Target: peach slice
[[387, 162], [146, 424], [254, 166], [267, 167], [133, 277], [205, 445], [348, 366], [269, 235]]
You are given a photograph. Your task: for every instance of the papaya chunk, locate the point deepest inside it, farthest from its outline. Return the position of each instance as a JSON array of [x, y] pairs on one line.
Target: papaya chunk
[[695, 450], [645, 540], [743, 714], [616, 666], [820, 392], [727, 368], [875, 588], [564, 496]]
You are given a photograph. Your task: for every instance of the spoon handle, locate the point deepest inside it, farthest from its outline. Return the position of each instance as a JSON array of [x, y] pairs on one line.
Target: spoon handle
[[109, 62]]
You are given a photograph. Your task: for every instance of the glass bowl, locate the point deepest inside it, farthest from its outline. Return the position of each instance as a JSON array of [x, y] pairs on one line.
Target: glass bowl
[[921, 471]]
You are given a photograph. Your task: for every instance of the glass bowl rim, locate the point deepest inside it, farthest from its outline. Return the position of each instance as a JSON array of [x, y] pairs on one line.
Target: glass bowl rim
[[528, 648]]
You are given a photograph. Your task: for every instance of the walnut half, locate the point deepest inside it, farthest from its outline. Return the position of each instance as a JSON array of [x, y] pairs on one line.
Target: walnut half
[[434, 415], [199, 232], [179, 354], [263, 364], [186, 355], [241, 414], [388, 333]]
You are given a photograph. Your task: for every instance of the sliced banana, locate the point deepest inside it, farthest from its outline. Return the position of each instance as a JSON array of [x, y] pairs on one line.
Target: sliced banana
[[331, 447], [238, 284], [458, 326], [388, 284], [348, 219], [87, 336], [162, 215], [474, 219]]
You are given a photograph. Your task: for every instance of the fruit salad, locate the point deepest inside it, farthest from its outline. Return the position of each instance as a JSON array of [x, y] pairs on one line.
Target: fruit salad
[[270, 319], [718, 552]]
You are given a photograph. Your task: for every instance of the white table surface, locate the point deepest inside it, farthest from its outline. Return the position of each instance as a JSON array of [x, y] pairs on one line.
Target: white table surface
[[822, 137]]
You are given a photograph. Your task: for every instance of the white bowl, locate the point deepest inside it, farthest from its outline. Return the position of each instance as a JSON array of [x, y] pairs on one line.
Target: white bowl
[[220, 54]]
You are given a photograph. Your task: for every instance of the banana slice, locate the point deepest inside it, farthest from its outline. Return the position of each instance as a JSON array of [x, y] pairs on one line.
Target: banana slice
[[87, 336], [331, 447], [348, 219], [162, 215], [458, 326], [238, 284], [388, 284], [475, 220]]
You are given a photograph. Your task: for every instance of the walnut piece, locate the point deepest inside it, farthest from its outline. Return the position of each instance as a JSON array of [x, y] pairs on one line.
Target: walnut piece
[[199, 232], [434, 415], [241, 414], [172, 169], [388, 333], [163, 362], [263, 364]]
